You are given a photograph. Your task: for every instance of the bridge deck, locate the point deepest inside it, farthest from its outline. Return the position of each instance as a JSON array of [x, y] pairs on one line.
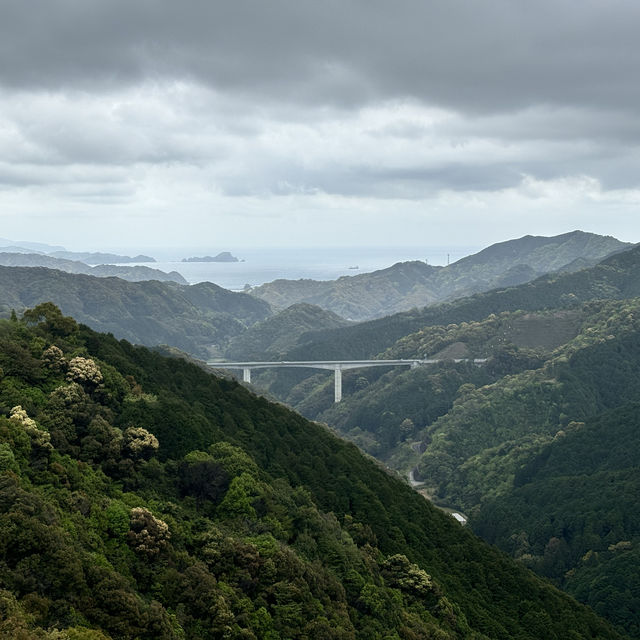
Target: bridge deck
[[321, 364], [338, 366]]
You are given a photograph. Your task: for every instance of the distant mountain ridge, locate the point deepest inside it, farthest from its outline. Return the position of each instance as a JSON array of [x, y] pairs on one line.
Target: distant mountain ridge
[[617, 276], [408, 285], [97, 257], [131, 273], [39, 247], [543, 254], [57, 251], [199, 318]]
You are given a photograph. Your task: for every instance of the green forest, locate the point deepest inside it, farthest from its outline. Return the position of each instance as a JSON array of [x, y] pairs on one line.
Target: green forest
[[145, 498], [571, 514], [562, 352]]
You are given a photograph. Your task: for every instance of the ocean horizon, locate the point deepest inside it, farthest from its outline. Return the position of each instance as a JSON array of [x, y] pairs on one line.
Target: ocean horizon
[[259, 265]]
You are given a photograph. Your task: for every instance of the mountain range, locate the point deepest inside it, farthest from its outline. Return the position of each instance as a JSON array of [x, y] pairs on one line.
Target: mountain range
[[197, 319], [136, 273], [614, 277], [202, 319], [408, 285]]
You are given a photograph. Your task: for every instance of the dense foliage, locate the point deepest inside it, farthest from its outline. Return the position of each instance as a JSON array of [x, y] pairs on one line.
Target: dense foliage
[[475, 449], [572, 514], [385, 411], [381, 413], [141, 497], [477, 435]]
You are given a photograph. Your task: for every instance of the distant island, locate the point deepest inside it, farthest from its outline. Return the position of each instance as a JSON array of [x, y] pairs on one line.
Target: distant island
[[225, 256]]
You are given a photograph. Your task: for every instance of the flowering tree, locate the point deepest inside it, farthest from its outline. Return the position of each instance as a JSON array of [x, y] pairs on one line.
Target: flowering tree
[[140, 443], [147, 535], [37, 435], [53, 358], [84, 371]]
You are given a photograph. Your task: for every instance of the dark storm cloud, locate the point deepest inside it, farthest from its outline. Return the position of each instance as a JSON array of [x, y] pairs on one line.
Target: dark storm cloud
[[470, 56]]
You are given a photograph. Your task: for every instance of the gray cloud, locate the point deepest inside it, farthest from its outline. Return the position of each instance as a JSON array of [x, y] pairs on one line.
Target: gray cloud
[[362, 107], [472, 57]]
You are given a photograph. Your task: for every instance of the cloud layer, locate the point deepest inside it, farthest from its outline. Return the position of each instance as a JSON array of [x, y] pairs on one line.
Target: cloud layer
[[264, 122]]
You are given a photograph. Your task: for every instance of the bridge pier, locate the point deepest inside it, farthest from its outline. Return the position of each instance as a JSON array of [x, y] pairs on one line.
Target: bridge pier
[[246, 374], [337, 384]]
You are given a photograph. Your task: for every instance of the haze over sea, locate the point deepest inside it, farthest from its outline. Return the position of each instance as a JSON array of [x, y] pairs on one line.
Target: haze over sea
[[262, 264]]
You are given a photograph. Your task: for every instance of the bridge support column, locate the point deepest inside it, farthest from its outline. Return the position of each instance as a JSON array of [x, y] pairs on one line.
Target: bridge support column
[[337, 387], [246, 374]]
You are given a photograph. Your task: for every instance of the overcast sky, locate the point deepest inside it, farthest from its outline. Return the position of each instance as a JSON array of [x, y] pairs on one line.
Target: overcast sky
[[141, 123]]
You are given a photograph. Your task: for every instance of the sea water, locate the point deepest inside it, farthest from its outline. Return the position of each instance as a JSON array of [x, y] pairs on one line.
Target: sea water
[[259, 264]]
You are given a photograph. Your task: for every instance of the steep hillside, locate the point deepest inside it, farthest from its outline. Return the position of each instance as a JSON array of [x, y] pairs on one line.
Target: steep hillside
[[571, 514], [415, 284], [271, 338], [142, 497], [506, 443], [132, 274], [199, 319], [473, 451]]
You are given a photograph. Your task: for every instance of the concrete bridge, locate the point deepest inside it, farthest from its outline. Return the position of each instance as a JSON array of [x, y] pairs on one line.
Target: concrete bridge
[[338, 366]]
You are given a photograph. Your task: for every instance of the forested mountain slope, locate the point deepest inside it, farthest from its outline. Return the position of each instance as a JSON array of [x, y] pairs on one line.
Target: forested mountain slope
[[516, 456], [475, 449], [199, 319], [483, 437], [273, 337], [142, 497], [407, 285], [381, 411], [572, 515], [615, 277]]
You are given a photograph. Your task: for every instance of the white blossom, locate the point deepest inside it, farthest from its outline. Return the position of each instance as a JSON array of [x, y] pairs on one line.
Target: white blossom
[[84, 370], [40, 437], [147, 534], [140, 442]]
